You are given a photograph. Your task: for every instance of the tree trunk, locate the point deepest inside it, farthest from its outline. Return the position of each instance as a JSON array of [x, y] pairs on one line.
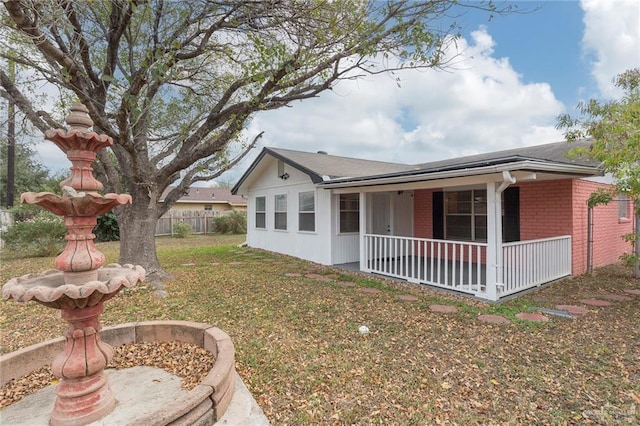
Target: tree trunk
[[137, 238], [636, 246]]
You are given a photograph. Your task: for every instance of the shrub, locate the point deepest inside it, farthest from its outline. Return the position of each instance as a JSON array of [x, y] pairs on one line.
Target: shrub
[[24, 212], [107, 228], [233, 223], [182, 230], [41, 235]]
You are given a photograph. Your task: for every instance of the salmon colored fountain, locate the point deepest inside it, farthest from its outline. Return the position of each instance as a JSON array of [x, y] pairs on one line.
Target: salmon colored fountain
[[81, 284]]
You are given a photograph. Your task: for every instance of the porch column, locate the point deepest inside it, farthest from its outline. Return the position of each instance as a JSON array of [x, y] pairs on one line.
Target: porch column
[[363, 231], [494, 240]]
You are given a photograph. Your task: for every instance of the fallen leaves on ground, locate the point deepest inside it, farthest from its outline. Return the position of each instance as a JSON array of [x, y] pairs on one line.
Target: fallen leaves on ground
[[299, 351], [189, 362]]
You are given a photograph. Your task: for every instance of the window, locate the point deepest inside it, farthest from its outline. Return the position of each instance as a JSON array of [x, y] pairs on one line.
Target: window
[[466, 215], [261, 213], [208, 207], [349, 213], [306, 211], [280, 212], [623, 207]]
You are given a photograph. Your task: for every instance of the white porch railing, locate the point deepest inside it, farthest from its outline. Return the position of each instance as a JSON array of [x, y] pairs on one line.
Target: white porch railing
[[528, 264], [454, 265], [461, 266]]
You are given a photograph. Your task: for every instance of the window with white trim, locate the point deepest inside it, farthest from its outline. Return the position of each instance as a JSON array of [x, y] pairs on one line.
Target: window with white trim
[[306, 211], [280, 212], [261, 212], [349, 213], [466, 215]]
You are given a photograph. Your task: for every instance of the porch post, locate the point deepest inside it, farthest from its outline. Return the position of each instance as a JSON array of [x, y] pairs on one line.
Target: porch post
[[494, 239], [363, 231]]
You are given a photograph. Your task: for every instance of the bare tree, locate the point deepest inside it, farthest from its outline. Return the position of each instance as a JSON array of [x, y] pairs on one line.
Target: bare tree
[[174, 83]]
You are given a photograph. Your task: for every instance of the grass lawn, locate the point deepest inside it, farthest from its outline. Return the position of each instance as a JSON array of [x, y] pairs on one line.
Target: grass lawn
[[299, 351]]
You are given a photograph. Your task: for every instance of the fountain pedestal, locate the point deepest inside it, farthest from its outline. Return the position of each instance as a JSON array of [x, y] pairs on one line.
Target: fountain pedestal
[[84, 395]]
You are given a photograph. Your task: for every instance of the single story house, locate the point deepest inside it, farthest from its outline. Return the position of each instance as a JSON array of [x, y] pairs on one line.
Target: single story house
[[489, 225], [207, 200]]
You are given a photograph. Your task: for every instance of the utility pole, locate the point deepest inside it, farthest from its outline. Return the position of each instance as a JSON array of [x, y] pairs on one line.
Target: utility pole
[[11, 141]]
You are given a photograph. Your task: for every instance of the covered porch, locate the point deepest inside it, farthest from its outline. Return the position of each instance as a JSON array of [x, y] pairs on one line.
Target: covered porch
[[487, 259]]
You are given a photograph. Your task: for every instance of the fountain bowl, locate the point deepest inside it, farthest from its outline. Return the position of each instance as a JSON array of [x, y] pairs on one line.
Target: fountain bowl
[[204, 404]]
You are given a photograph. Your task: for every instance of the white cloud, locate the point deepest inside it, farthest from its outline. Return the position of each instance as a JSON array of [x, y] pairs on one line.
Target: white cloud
[[481, 105], [612, 36]]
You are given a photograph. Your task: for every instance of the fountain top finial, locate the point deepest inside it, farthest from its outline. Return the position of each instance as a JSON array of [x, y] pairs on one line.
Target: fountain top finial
[[79, 118]]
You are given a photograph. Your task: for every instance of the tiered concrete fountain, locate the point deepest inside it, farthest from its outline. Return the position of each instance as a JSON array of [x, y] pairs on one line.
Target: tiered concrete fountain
[[79, 287], [81, 284]]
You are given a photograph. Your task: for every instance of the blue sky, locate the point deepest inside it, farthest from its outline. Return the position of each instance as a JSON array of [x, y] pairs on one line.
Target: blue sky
[[543, 43], [514, 74]]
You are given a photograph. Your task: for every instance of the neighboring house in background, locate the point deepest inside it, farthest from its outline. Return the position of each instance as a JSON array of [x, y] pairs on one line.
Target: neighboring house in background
[[198, 207], [489, 225], [208, 200]]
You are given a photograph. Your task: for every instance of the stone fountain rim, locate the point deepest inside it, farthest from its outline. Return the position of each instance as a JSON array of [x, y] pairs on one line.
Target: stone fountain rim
[[211, 397]]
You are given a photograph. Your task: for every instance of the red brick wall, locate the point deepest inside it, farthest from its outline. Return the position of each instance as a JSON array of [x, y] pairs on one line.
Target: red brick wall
[[423, 213], [607, 229], [545, 209]]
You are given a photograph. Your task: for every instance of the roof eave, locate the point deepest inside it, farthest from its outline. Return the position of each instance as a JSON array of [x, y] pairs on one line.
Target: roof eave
[[418, 176]]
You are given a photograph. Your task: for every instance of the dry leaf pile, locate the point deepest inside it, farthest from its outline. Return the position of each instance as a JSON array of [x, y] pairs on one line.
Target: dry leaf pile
[[189, 362]]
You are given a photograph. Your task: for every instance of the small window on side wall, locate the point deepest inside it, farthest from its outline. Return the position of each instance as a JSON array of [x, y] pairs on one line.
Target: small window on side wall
[[306, 212], [280, 212], [261, 213], [623, 207]]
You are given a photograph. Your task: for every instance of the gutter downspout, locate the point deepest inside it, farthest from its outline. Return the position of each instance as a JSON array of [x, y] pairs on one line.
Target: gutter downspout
[[496, 279]]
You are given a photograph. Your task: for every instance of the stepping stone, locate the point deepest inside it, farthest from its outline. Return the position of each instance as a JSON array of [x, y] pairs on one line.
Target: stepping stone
[[443, 309], [187, 264], [292, 274], [214, 263], [494, 319], [236, 263], [595, 302], [318, 277], [346, 284], [407, 298], [616, 297], [530, 316], [370, 290], [634, 292], [575, 310]]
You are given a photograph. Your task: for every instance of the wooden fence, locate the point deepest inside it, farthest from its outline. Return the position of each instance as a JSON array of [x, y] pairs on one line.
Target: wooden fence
[[202, 222]]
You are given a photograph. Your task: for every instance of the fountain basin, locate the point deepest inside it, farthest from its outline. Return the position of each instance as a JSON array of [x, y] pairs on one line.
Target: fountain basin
[[58, 290], [205, 404]]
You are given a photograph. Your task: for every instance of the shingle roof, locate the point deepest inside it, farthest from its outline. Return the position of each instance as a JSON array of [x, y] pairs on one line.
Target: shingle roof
[[322, 167], [552, 152], [334, 166]]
